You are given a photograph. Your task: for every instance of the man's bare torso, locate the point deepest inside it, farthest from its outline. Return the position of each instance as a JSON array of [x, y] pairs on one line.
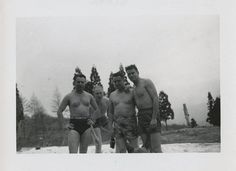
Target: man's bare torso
[[123, 103], [102, 106], [142, 98], [79, 104]]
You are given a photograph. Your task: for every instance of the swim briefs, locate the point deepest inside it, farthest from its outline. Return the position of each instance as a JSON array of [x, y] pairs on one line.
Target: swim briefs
[[144, 119], [80, 125]]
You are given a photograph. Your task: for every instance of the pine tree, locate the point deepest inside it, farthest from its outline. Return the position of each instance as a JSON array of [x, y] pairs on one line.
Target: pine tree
[[38, 115], [94, 77], [210, 104], [213, 110], [19, 108], [19, 118], [111, 87], [216, 111], [124, 74], [94, 80], [166, 111]]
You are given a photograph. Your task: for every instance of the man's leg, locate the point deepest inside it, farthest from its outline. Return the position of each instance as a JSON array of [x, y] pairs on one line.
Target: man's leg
[[156, 142], [134, 143], [99, 144], [144, 138], [120, 145], [85, 139], [73, 141]]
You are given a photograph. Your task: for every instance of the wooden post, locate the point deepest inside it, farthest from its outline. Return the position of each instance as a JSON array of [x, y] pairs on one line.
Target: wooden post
[[186, 114]]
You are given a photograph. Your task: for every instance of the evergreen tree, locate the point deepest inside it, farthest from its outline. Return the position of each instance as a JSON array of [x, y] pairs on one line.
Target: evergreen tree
[[111, 87], [94, 80], [38, 115], [94, 77], [19, 118], [213, 110], [166, 111], [89, 87], [19, 108], [124, 74]]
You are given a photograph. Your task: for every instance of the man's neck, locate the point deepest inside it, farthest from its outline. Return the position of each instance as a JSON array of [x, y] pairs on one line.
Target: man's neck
[[136, 82], [79, 91], [121, 90], [99, 100]]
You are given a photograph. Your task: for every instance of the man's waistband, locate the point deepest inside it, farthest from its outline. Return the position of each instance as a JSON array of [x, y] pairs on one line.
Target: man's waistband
[[79, 117], [145, 109]]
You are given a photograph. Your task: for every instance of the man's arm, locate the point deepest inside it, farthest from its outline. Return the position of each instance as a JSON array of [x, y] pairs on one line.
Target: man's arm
[[94, 108], [110, 114], [150, 87], [61, 108]]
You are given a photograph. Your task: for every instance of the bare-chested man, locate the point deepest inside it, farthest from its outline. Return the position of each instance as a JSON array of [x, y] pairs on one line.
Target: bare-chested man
[[122, 115], [146, 99], [101, 121], [79, 103]]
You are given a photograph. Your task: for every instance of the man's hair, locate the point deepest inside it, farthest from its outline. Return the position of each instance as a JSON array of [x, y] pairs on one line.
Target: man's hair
[[118, 74], [79, 75], [131, 67], [97, 86]]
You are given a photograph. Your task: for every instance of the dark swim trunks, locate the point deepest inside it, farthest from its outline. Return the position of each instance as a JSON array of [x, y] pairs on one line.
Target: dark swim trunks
[[80, 125], [144, 119], [126, 127], [101, 122]]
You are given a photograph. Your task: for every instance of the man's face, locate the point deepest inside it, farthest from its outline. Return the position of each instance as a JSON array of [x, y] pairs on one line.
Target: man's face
[[132, 74], [80, 83], [118, 82], [98, 93]]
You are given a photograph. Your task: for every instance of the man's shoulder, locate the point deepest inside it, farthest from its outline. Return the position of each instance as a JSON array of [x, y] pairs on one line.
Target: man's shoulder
[[88, 94], [113, 93], [105, 99], [146, 81]]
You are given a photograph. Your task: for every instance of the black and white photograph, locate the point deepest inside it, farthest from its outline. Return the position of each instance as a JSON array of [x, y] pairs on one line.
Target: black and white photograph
[[117, 85]]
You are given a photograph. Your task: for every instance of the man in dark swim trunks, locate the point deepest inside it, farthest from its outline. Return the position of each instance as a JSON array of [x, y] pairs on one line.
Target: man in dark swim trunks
[[79, 102], [122, 115], [146, 100], [101, 121]]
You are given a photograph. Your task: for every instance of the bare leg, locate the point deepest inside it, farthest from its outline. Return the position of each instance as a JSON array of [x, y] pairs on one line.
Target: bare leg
[[73, 141], [134, 143], [156, 142], [85, 139], [99, 144], [120, 145], [144, 138]]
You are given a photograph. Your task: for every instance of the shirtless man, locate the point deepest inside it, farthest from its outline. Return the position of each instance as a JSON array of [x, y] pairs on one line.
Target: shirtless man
[[146, 99], [122, 115], [79, 103], [101, 121]]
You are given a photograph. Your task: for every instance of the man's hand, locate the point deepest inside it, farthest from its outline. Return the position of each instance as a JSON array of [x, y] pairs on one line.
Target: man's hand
[[70, 126], [153, 123], [90, 122]]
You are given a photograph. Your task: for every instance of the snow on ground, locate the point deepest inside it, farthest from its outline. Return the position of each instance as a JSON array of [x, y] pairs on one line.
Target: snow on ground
[[166, 148]]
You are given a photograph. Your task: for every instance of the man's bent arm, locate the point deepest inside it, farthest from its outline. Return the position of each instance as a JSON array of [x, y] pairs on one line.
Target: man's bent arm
[[95, 108], [61, 108], [153, 94], [110, 114]]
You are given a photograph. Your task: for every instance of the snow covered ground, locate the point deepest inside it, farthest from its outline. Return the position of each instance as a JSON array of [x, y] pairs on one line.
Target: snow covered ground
[[166, 148]]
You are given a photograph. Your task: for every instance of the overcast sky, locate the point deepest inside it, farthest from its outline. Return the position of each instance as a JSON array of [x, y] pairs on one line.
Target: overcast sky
[[180, 54]]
